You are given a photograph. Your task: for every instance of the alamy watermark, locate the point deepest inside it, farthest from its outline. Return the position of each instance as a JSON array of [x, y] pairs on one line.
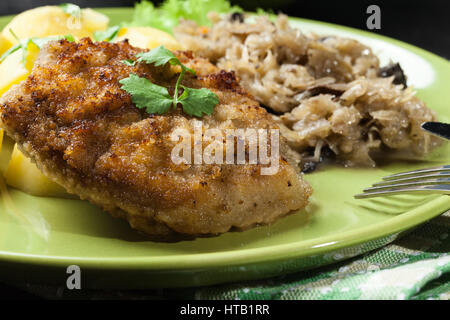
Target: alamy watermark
[[229, 146], [374, 20], [74, 279]]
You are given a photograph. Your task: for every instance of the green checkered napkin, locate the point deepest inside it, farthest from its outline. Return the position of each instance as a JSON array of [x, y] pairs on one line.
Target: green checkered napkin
[[416, 266]]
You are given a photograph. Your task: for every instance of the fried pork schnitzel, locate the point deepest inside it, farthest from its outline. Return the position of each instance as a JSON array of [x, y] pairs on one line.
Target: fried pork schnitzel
[[73, 119]]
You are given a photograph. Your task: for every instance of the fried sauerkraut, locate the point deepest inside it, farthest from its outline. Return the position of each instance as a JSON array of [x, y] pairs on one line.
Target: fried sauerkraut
[[327, 93]]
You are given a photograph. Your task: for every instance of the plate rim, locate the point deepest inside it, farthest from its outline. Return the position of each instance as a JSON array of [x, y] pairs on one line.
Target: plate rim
[[413, 218]]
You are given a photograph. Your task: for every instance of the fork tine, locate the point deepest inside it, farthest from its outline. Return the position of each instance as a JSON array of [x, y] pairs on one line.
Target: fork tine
[[408, 184], [444, 168], [433, 189], [425, 177]]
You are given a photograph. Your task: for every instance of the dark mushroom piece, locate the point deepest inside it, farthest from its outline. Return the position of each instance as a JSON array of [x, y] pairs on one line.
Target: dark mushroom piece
[[237, 16], [309, 166], [396, 71], [325, 154], [335, 89]]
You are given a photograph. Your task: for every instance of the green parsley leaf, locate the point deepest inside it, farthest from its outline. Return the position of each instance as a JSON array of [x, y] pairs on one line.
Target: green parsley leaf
[[109, 34], [40, 42], [154, 98], [23, 45], [69, 38], [197, 102], [160, 56], [10, 51], [129, 62], [72, 9]]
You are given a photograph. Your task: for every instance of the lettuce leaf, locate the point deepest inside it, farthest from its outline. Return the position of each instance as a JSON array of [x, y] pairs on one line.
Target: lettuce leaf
[[167, 16]]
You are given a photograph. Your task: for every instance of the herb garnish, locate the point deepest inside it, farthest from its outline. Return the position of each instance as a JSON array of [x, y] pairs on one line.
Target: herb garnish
[[129, 62], [156, 99], [109, 34], [23, 45]]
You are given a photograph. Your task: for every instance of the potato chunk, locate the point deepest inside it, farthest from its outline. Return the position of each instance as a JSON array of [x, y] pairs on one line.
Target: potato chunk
[[148, 38], [7, 146], [51, 21], [13, 70], [5, 44], [24, 175]]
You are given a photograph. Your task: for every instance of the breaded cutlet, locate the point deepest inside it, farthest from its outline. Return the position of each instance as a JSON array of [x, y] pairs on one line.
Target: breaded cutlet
[[71, 117]]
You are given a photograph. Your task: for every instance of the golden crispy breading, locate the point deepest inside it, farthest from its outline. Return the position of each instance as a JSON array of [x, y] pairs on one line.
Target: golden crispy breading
[[82, 130]]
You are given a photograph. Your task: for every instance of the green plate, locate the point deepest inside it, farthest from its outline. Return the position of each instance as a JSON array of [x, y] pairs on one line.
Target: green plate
[[40, 237]]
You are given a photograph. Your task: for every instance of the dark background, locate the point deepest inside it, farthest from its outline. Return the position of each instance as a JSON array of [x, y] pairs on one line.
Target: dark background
[[424, 23]]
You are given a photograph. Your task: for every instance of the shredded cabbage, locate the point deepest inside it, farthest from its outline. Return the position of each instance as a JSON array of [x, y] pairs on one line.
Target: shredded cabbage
[[166, 16]]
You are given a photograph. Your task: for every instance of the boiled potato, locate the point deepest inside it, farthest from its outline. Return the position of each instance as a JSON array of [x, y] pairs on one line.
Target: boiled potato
[[51, 21], [24, 175], [93, 21], [7, 146], [4, 44], [13, 70], [148, 38], [17, 169]]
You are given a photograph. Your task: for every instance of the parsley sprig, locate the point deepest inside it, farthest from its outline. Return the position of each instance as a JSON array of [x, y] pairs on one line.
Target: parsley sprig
[[147, 95], [23, 45], [109, 34], [156, 99]]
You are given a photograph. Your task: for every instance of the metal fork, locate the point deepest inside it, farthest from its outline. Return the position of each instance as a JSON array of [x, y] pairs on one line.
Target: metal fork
[[429, 180], [424, 181]]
